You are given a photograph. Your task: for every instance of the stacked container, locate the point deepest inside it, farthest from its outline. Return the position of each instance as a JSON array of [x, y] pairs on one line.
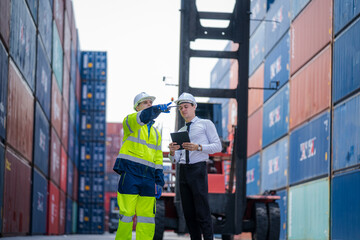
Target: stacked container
[[92, 142]]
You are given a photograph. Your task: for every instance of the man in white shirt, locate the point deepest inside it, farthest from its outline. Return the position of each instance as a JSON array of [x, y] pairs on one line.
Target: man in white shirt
[[204, 140]]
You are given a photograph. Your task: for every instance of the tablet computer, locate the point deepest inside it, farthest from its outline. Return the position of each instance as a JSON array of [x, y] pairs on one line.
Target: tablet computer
[[180, 138]]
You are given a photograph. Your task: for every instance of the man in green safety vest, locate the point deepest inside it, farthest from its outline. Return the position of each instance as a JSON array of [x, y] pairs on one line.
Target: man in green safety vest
[[140, 164]]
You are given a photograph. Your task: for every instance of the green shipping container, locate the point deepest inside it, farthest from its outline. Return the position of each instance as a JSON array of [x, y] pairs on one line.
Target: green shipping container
[[309, 210], [74, 217], [57, 57]]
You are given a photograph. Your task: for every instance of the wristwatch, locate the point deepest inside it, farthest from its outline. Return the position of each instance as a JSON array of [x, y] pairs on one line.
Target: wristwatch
[[199, 147]]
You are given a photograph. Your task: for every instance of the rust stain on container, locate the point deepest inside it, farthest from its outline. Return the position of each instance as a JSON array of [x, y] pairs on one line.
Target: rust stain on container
[[310, 89], [256, 96], [20, 118], [56, 105], [255, 123], [310, 32], [17, 191]]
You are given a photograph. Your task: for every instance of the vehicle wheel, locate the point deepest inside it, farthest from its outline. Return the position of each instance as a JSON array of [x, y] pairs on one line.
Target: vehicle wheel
[[159, 220], [227, 237], [261, 221], [274, 221]]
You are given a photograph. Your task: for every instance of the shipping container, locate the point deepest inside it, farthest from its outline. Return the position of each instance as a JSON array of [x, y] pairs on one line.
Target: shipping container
[[258, 11], [87, 96], [297, 6], [63, 170], [253, 175], [41, 140], [77, 119], [23, 41], [4, 65], [84, 221], [39, 203], [346, 134], [72, 103], [59, 18], [33, 7], [308, 211], [55, 158], [78, 85], [256, 96], [310, 149], [100, 66], [345, 208], [274, 165], [221, 121], [5, 21], [97, 219], [310, 89], [346, 64], [69, 213], [283, 212], [99, 129], [85, 187], [86, 156], [67, 41], [277, 66], [111, 181], [277, 23], [344, 12], [74, 217], [98, 164], [43, 79], [99, 95], [56, 107], [307, 41], [257, 48], [53, 209], [65, 127], [20, 114], [66, 84], [73, 64], [76, 184], [70, 178], [2, 165], [113, 143], [71, 142], [110, 202], [98, 187], [220, 77], [17, 195], [276, 116], [45, 26], [110, 159], [114, 129], [88, 65], [254, 137], [57, 58], [62, 212]]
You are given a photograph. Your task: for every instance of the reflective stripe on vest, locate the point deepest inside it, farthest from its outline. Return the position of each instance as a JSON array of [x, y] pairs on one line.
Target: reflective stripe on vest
[[126, 219], [140, 219], [143, 142], [139, 160]]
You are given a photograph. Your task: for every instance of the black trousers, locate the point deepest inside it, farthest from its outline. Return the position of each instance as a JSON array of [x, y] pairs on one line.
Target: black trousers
[[194, 199]]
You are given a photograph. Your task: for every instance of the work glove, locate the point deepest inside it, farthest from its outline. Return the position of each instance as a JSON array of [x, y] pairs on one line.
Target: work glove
[[164, 107], [158, 191]]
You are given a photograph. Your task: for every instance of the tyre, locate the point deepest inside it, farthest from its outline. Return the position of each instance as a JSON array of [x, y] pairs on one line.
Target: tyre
[[274, 220], [159, 220], [261, 221]]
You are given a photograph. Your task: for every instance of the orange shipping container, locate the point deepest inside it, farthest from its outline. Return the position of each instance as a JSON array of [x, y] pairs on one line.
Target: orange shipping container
[[20, 114], [255, 123], [310, 89], [256, 96], [310, 32]]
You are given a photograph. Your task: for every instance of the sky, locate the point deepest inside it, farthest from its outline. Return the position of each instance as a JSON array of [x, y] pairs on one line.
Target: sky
[[141, 38]]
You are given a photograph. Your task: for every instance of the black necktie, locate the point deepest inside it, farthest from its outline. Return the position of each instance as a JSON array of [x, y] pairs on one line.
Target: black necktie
[[187, 151]]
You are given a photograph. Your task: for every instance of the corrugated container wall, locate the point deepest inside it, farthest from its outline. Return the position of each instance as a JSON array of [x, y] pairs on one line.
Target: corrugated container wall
[[39, 203], [53, 209], [310, 89], [346, 64], [283, 212], [2, 166], [5, 21], [33, 7], [256, 96], [55, 158], [307, 41], [45, 26], [4, 65], [344, 12], [253, 175], [59, 18], [254, 138], [57, 57], [258, 11], [297, 6], [56, 107], [256, 48]]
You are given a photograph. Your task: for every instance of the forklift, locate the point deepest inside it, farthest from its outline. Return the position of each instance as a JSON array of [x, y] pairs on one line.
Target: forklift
[[232, 211]]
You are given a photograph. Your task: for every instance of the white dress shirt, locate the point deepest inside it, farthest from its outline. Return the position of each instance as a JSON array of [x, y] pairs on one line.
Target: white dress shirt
[[203, 132]]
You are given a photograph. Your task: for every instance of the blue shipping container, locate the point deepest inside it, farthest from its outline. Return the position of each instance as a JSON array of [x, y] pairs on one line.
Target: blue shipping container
[[70, 177], [310, 149], [45, 25], [346, 64], [277, 66], [23, 41], [220, 70], [43, 79], [4, 64], [100, 66], [221, 121], [87, 69], [98, 187], [100, 95], [86, 130], [69, 213], [87, 95], [39, 203], [77, 118], [41, 140], [77, 152], [111, 182], [257, 48], [346, 135], [71, 141], [84, 223], [72, 102], [297, 6], [57, 57], [278, 22], [86, 155], [283, 213], [73, 65], [344, 12], [274, 165], [2, 165], [99, 121], [97, 219], [276, 116], [258, 11], [98, 164], [33, 6], [85, 188], [253, 175], [345, 207]]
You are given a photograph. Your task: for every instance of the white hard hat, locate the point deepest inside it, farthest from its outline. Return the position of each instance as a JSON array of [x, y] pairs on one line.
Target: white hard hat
[[186, 98], [142, 97]]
